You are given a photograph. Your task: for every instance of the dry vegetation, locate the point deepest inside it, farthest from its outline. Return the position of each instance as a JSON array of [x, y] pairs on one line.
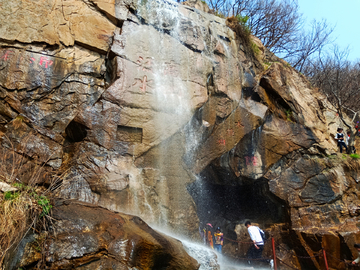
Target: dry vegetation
[[28, 205], [243, 35], [240, 28]]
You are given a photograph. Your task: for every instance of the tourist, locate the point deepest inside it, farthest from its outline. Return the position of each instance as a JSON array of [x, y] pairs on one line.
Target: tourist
[[257, 246], [219, 240], [202, 232], [341, 139], [353, 150], [209, 236], [357, 260]]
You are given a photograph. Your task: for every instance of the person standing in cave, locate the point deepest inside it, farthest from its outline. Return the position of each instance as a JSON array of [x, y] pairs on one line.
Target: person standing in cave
[[209, 235], [357, 260], [219, 240], [340, 139], [202, 232], [257, 246]]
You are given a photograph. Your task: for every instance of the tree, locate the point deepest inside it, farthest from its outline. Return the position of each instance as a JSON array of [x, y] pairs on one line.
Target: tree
[[306, 44], [280, 27], [276, 23], [339, 80]]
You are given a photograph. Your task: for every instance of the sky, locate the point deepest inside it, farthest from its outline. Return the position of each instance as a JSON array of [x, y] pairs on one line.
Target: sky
[[344, 15]]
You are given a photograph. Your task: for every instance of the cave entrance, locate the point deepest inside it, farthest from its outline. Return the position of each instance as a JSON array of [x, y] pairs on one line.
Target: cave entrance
[[218, 202], [75, 132]]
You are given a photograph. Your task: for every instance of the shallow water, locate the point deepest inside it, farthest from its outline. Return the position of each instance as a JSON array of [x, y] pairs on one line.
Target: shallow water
[[211, 260]]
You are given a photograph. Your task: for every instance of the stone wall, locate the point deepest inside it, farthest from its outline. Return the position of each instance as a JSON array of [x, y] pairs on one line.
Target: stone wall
[[139, 107]]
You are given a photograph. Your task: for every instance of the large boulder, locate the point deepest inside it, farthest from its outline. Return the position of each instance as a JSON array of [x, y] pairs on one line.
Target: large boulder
[[84, 236]]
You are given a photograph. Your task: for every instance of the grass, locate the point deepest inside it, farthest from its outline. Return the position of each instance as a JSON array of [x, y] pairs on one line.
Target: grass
[[255, 49], [289, 116], [17, 210], [266, 64], [30, 205], [44, 202], [356, 156]]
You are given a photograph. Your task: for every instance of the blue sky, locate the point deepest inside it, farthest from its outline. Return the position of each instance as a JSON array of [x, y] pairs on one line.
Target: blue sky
[[344, 15]]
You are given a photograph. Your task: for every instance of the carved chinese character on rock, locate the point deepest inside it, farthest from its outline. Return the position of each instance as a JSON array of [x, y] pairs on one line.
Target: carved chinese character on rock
[[230, 132], [239, 124], [143, 87]]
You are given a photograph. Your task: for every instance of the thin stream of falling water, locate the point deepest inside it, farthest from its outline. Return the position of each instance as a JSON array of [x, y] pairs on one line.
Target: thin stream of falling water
[[171, 73], [135, 190], [171, 94]]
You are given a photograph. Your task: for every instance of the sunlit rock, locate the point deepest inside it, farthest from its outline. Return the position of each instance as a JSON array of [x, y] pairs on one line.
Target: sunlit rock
[[159, 110], [88, 237]]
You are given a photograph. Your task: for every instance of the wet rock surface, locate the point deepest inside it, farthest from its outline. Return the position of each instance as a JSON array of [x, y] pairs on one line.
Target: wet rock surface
[[159, 110]]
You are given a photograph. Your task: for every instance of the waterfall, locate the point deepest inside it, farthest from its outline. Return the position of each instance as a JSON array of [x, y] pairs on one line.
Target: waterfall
[[174, 59], [178, 57]]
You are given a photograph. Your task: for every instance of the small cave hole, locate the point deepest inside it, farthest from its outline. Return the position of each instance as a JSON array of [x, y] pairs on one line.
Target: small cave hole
[[249, 92], [75, 132], [129, 134]]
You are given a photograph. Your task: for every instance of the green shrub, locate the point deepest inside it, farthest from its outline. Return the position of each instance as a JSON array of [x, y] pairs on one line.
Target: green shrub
[[10, 195], [289, 115], [19, 185], [243, 22], [242, 19], [44, 202], [355, 156]]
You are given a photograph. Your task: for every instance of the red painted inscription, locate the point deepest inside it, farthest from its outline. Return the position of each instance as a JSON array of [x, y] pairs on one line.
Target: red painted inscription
[[251, 161], [239, 124], [230, 132], [221, 142], [7, 55], [45, 60]]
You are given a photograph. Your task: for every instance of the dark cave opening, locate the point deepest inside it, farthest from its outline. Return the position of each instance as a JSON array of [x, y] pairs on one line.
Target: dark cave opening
[[75, 132], [248, 199]]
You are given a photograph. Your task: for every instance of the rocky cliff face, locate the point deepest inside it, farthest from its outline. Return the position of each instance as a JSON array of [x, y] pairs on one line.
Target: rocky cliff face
[[162, 111]]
